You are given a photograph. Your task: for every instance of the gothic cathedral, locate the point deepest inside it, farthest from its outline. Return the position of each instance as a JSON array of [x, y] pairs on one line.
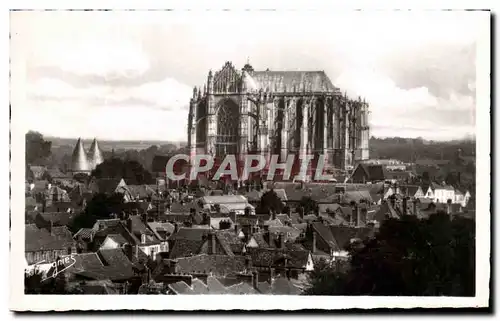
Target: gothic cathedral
[[277, 112]]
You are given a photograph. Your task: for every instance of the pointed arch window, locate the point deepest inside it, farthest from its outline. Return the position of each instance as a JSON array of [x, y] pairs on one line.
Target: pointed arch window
[[228, 122]]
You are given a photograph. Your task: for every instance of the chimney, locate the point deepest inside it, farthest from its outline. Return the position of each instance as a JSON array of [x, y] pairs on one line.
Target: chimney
[[301, 212], [358, 215], [211, 242], [281, 239], [255, 280], [128, 251], [314, 242], [173, 266], [136, 252], [248, 262], [51, 226], [405, 205]]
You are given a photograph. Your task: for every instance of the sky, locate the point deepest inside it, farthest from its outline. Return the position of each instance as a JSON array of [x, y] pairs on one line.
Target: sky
[[129, 75]]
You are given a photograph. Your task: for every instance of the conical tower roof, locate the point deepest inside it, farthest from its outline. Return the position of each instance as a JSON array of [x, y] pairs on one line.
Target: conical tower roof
[[95, 155], [79, 162]]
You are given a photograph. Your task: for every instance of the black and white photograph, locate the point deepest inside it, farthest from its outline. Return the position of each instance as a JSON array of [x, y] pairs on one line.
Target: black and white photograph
[[311, 159]]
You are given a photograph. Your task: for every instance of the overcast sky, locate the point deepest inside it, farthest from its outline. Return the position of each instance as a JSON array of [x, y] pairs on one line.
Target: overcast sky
[[129, 75]]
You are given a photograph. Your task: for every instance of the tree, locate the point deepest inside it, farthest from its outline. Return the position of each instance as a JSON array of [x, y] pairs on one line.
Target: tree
[[37, 149], [308, 204], [101, 206], [130, 170], [326, 279], [409, 257], [270, 201]]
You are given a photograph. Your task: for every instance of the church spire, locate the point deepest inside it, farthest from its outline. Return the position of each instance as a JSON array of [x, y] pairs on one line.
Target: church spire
[[95, 155]]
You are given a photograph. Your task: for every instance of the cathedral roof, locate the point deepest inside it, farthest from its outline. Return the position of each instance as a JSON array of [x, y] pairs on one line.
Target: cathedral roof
[[316, 81], [79, 162], [95, 155]]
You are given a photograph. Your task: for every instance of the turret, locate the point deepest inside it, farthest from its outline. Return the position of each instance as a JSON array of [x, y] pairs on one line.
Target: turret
[[79, 161], [195, 93], [95, 155], [210, 82]]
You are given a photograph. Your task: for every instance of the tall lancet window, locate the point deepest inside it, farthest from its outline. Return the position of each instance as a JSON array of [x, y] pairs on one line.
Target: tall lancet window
[[228, 121]]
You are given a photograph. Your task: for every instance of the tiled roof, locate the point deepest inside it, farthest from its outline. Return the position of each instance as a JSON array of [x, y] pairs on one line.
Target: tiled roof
[[108, 273], [108, 223], [241, 288], [374, 172], [283, 286], [276, 257], [199, 287], [56, 173], [42, 240], [84, 262], [84, 233], [177, 207], [325, 233], [57, 218], [114, 258], [290, 233], [118, 238], [186, 233], [215, 221], [229, 239], [181, 288], [260, 239], [215, 287], [163, 230], [356, 196], [283, 218], [217, 264], [243, 220], [185, 247], [101, 234], [274, 222], [344, 234]]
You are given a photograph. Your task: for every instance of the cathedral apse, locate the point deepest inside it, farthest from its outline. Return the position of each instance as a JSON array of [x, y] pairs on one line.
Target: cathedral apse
[[241, 112]]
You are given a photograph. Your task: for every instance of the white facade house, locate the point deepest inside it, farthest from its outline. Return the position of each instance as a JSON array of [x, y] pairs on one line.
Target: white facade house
[[462, 198], [440, 193]]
